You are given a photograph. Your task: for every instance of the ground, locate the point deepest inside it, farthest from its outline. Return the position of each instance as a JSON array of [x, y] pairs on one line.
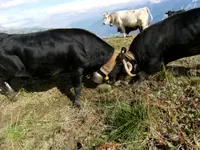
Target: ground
[[163, 113]]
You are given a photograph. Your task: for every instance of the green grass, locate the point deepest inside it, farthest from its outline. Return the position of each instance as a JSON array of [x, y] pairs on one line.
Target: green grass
[[163, 113], [15, 133], [128, 124]]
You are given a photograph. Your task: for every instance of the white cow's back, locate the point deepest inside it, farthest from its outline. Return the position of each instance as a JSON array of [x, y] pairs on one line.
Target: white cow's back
[[131, 17]]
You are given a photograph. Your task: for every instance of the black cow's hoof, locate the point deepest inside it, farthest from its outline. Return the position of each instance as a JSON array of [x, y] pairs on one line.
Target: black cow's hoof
[[77, 105], [12, 96]]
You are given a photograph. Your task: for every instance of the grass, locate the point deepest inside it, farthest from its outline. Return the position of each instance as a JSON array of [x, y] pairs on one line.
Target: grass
[[119, 42], [128, 123], [163, 113], [125, 122]]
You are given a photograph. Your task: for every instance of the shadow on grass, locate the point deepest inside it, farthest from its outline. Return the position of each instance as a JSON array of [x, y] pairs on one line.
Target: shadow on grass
[[184, 71], [62, 82]]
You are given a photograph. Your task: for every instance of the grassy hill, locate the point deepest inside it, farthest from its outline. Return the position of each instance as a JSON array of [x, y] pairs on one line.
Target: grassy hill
[[163, 113]]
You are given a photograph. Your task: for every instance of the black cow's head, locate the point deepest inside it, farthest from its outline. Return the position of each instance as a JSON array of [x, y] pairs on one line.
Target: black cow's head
[[169, 13], [117, 64]]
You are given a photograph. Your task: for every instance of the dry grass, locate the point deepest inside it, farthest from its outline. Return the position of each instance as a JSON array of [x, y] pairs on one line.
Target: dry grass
[[162, 114], [119, 42]]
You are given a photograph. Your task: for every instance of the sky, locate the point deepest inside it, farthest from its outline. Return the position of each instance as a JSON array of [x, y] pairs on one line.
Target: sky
[[53, 13]]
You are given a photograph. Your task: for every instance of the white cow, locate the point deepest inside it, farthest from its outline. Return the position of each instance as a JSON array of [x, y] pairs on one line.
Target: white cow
[[129, 19]]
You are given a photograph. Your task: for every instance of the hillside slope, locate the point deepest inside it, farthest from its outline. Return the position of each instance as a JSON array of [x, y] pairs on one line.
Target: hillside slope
[[163, 113]]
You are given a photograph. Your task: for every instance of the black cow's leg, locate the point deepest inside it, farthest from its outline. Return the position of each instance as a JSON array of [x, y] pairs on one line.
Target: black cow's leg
[[152, 67], [141, 76], [76, 78], [141, 29], [10, 92], [6, 89], [2, 86]]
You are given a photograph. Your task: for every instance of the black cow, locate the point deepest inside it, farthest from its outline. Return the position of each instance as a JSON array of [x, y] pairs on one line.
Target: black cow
[[168, 40], [43, 54], [171, 13]]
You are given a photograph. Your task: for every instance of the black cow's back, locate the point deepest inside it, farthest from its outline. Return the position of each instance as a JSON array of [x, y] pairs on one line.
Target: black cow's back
[[53, 51]]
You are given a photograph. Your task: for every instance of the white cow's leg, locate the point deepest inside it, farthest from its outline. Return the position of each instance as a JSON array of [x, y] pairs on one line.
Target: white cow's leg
[[124, 35], [123, 31], [144, 26]]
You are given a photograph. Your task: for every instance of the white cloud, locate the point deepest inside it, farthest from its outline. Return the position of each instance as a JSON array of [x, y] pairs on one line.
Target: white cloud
[[11, 3], [78, 6], [193, 4], [155, 1], [40, 16], [195, 1]]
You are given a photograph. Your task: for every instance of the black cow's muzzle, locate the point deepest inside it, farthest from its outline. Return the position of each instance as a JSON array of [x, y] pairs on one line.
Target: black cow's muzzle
[[126, 58]]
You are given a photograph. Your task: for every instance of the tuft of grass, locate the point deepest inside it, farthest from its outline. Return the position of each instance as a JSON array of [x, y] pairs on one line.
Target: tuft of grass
[[15, 133], [195, 80], [127, 123], [164, 75]]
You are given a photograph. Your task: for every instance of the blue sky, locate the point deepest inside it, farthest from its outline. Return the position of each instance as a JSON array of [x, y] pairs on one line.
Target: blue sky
[[54, 13]]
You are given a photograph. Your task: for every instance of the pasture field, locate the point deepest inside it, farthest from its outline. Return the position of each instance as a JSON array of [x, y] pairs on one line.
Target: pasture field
[[162, 113]]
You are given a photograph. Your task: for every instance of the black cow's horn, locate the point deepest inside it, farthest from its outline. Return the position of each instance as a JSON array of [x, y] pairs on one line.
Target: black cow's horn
[[129, 55], [128, 69]]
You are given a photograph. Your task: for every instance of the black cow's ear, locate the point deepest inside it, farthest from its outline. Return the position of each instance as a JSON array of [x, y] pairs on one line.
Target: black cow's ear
[[123, 50]]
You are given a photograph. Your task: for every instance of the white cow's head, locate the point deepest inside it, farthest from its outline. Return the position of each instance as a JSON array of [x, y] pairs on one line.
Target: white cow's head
[[107, 19]]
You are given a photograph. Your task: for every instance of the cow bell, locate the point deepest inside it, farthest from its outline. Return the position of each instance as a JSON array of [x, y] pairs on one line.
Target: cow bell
[[105, 69], [97, 77]]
